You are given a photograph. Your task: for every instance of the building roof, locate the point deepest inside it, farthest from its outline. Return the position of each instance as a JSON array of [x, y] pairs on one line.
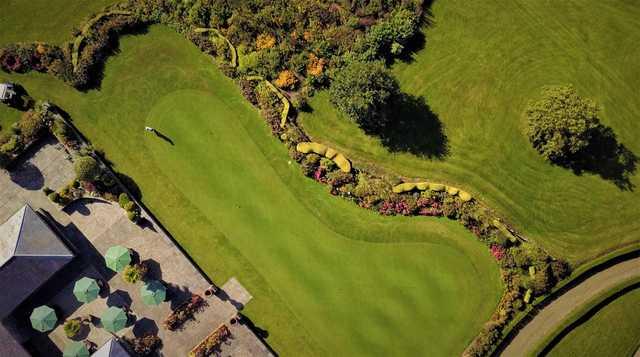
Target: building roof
[[6, 91], [30, 254], [113, 348]]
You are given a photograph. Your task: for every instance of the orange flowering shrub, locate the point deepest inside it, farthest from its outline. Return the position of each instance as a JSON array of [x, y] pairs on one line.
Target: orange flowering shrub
[[265, 41], [286, 79], [315, 65]]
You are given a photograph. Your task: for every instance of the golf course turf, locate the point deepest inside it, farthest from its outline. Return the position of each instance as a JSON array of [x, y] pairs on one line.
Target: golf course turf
[[326, 275], [482, 62]]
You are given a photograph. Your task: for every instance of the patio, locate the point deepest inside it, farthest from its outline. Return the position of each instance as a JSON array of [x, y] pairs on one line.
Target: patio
[[91, 226]]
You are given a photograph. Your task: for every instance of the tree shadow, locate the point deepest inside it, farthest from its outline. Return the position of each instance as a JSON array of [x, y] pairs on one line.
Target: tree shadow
[[27, 176], [414, 129], [131, 185], [145, 326], [607, 158]]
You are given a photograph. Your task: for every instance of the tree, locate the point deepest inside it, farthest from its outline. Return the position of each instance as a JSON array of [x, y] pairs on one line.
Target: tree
[[562, 124], [86, 168], [364, 91]]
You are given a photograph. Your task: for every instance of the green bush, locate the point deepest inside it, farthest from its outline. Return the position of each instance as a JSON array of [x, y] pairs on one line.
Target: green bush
[[134, 273], [11, 145], [86, 168], [72, 327], [123, 199], [31, 125]]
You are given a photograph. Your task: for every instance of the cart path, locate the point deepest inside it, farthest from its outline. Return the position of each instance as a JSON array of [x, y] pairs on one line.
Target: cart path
[[557, 311]]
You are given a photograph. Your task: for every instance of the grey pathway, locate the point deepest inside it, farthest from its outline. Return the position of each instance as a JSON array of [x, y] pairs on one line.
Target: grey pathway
[[557, 311]]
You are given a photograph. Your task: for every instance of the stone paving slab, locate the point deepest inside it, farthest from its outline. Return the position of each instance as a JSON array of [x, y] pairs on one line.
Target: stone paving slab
[[237, 293]]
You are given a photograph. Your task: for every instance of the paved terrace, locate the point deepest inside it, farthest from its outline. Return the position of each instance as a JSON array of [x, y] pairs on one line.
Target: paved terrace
[[92, 226]]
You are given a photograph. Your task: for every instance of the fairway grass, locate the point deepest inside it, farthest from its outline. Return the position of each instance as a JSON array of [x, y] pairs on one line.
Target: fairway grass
[[327, 276], [481, 64], [612, 331]]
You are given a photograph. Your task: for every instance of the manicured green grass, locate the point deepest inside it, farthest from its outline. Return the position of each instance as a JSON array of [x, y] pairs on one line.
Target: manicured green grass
[[327, 277], [44, 20], [8, 116], [481, 64], [612, 331]]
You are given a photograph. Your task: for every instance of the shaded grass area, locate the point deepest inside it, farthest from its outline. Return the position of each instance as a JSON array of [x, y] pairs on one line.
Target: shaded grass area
[[481, 64], [610, 328], [44, 20], [327, 276]]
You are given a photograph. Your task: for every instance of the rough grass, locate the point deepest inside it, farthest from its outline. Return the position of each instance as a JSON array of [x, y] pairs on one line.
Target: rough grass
[[327, 277], [481, 63], [44, 20], [612, 331]]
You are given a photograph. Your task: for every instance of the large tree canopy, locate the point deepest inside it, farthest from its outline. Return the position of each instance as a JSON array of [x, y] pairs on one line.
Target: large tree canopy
[[364, 91], [562, 124]]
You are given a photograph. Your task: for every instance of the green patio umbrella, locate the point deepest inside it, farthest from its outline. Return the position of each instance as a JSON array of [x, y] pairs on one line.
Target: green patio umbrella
[[114, 319], [43, 318], [117, 257], [86, 290], [76, 349], [153, 292]]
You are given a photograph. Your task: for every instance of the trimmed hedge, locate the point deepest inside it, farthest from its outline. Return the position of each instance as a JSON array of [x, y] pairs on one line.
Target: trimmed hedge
[[310, 147]]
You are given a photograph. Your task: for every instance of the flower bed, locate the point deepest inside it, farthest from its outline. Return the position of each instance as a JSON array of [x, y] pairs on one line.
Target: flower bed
[[184, 312], [211, 343]]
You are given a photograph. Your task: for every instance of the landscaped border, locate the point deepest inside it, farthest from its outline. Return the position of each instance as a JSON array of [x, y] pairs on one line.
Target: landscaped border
[[391, 194]]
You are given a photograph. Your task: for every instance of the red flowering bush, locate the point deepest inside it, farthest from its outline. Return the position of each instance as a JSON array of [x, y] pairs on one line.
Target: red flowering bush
[[387, 208], [497, 251]]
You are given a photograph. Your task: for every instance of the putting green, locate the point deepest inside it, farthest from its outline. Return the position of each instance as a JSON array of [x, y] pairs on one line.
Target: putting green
[[326, 276], [482, 62]]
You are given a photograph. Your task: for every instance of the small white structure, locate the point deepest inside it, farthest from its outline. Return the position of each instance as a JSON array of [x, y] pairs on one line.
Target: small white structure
[[6, 91], [148, 128]]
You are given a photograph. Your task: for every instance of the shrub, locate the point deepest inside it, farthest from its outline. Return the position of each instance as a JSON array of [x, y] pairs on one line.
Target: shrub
[[134, 273], [265, 41], [145, 345], [560, 269], [286, 80], [86, 168], [123, 199], [561, 124], [47, 191], [364, 92], [72, 327], [11, 145], [30, 125]]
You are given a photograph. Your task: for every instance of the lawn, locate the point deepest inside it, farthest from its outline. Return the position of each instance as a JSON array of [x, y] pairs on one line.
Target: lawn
[[44, 20], [612, 331], [327, 277], [8, 116], [482, 62]]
